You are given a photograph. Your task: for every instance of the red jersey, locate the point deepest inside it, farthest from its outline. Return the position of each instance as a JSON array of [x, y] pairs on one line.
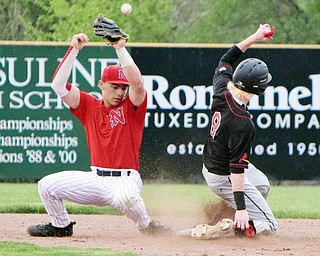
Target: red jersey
[[114, 134]]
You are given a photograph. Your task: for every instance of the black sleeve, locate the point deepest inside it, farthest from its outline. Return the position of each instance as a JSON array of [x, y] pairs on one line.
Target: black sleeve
[[231, 56], [223, 73], [240, 153]]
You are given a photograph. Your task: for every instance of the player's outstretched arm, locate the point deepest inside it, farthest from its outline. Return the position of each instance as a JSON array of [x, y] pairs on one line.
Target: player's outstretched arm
[[263, 33], [68, 93], [137, 92]]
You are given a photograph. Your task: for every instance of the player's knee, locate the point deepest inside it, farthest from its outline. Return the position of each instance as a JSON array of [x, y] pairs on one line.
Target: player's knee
[[128, 202], [44, 187], [41, 185]]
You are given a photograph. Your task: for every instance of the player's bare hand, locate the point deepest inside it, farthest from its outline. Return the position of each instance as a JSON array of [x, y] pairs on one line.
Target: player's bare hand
[[241, 220], [79, 40], [120, 44], [264, 33]]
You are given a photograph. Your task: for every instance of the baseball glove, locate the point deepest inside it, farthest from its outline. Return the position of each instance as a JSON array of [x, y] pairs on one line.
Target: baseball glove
[[108, 30]]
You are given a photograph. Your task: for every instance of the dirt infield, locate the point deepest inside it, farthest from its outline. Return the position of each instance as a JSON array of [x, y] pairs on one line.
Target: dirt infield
[[295, 237]]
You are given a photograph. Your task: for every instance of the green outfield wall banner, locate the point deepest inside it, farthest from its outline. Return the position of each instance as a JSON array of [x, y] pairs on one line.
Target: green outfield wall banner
[[39, 135]]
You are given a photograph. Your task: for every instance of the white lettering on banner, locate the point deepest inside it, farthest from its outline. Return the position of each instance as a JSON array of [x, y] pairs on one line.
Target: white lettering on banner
[[39, 156], [27, 124], [6, 157], [314, 122], [287, 121], [32, 141], [19, 100], [13, 63], [42, 72], [298, 149], [12, 71], [189, 96], [271, 150], [201, 120], [176, 120], [197, 97], [290, 100], [301, 149], [157, 94], [89, 77], [188, 120], [15, 135], [185, 149]]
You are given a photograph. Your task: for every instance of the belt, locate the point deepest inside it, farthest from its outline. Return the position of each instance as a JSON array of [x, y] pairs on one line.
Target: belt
[[112, 173]]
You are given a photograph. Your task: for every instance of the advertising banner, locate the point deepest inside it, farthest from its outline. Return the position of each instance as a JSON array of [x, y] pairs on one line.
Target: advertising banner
[[39, 135]]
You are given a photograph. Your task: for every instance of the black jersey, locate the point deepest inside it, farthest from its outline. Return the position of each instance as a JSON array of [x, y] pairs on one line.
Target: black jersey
[[231, 132]]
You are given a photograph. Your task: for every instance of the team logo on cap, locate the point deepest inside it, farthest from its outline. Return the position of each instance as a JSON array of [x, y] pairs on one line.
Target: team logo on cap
[[121, 75]]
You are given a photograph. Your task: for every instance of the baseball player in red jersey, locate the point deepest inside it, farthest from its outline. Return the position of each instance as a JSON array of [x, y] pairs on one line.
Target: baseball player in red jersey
[[113, 127], [226, 168]]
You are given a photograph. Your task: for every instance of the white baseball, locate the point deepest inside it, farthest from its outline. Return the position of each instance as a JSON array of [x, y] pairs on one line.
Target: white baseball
[[126, 8]]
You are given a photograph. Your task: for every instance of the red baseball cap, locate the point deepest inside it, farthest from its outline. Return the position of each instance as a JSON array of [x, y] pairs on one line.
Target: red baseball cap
[[114, 75]]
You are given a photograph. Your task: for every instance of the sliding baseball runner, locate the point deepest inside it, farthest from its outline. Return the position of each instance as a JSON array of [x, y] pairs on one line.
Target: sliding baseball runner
[[226, 154]]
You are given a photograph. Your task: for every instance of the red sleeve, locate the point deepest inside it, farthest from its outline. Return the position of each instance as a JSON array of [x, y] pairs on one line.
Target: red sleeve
[[86, 102]]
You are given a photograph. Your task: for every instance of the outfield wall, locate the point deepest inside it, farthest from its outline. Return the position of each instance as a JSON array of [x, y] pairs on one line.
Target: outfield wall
[[38, 135]]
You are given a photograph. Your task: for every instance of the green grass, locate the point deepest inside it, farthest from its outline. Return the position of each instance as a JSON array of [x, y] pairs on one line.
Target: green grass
[[23, 249], [182, 199], [295, 202]]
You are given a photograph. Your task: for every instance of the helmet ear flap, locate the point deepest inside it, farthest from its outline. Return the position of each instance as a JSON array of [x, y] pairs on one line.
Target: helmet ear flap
[[252, 75]]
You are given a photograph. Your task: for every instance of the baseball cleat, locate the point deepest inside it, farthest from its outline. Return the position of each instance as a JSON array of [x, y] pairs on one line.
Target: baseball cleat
[[155, 228], [46, 230], [223, 228]]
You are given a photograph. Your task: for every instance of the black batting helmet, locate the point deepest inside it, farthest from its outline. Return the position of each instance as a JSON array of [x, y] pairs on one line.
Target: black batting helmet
[[252, 75]]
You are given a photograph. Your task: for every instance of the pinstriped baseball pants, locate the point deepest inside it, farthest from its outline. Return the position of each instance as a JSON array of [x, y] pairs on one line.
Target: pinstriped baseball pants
[[122, 193]]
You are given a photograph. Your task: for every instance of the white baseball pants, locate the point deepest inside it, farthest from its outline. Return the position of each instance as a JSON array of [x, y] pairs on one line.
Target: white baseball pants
[[122, 193]]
